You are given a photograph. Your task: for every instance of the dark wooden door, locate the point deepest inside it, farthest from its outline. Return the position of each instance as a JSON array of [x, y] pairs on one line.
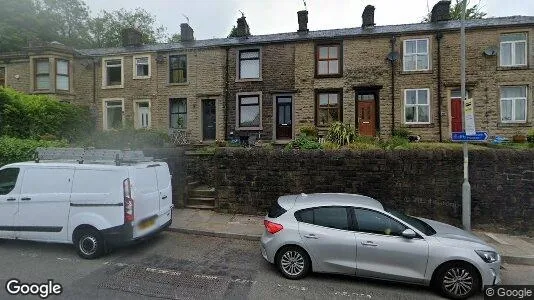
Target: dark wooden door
[[208, 119], [284, 119], [367, 115], [456, 115]]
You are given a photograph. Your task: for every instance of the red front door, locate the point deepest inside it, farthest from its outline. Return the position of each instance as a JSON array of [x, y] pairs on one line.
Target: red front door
[[367, 117], [456, 115]]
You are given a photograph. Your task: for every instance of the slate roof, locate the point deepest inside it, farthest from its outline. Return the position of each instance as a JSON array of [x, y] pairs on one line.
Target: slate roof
[[317, 35]]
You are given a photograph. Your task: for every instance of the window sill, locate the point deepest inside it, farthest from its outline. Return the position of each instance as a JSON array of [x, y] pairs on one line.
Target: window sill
[[512, 68], [317, 76], [141, 77], [418, 125], [513, 124], [249, 80], [248, 128], [178, 84], [416, 72], [42, 92], [110, 87]]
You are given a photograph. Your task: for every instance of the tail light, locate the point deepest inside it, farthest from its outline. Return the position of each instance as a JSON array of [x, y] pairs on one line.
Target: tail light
[[128, 201], [272, 227]]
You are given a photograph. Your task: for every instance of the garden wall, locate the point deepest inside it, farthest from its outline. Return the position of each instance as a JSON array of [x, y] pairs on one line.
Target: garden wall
[[424, 183]]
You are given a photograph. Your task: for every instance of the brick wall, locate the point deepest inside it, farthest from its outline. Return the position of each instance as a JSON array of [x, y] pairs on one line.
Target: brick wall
[[422, 183]]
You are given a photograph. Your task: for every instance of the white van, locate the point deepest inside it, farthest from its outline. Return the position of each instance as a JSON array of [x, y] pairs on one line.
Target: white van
[[93, 206]]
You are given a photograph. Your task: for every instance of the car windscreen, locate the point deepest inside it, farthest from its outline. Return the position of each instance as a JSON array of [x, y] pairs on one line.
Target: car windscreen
[[417, 223]]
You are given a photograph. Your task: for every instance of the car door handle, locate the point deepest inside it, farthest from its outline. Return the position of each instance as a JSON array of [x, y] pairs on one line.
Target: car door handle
[[311, 236], [25, 198], [164, 197], [369, 243], [11, 199]]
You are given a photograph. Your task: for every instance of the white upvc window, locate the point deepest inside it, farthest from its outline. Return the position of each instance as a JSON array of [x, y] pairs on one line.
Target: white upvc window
[[112, 72], [113, 110], [417, 106], [141, 67], [513, 50], [416, 56], [143, 117], [513, 104]]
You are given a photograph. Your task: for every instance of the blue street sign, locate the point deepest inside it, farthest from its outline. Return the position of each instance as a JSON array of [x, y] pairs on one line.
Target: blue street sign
[[480, 136]]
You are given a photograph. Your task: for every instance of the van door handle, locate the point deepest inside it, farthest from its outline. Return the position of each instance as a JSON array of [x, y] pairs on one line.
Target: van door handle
[[11, 199], [311, 236], [164, 197], [25, 198], [369, 243]]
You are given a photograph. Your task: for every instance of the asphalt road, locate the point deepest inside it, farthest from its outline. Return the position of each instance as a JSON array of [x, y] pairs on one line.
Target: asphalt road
[[181, 266]]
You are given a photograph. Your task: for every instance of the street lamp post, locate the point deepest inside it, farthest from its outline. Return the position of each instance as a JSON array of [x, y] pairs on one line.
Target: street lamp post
[[466, 187]]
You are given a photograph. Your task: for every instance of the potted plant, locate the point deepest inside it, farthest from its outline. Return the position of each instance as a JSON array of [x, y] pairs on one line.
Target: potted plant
[[519, 138]]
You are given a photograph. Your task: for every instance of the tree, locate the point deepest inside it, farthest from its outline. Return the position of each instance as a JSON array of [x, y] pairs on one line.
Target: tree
[[471, 12], [106, 28], [175, 38], [71, 19], [233, 32]]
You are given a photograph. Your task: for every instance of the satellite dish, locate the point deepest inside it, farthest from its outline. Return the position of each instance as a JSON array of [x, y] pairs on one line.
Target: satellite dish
[[393, 56], [490, 51]]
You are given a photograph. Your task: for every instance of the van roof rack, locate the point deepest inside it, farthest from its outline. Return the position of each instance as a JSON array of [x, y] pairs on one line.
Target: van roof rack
[[90, 155]]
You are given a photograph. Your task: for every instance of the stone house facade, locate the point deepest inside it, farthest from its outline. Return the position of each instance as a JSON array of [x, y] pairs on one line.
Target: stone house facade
[[376, 78]]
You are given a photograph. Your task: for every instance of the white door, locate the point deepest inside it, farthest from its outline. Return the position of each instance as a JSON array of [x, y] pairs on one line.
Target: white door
[[143, 115], [9, 200], [164, 186], [146, 199], [44, 204]]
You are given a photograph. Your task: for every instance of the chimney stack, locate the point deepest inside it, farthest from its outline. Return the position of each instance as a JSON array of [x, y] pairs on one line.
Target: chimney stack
[[368, 16], [242, 27], [441, 11], [186, 33], [131, 37], [303, 20]]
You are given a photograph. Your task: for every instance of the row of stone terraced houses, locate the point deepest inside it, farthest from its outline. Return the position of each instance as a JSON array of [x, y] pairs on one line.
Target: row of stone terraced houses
[[376, 78]]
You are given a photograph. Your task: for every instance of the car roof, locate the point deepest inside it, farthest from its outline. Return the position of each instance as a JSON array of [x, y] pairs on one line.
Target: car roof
[[336, 199]]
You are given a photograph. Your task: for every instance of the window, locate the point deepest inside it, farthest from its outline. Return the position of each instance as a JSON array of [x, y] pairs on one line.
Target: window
[[416, 106], [276, 210], [249, 64], [178, 113], [112, 72], [513, 49], [375, 222], [249, 111], [62, 75], [142, 114], [514, 104], [328, 60], [332, 217], [141, 67], [2, 76], [112, 114], [8, 180], [416, 55], [177, 69], [328, 108], [42, 74]]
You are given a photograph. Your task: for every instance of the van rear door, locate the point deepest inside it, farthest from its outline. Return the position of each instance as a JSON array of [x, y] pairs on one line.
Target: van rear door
[[164, 186], [145, 197]]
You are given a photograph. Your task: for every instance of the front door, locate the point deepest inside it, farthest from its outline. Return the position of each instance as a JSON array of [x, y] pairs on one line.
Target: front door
[[366, 114], [284, 112], [456, 115], [208, 119], [143, 114]]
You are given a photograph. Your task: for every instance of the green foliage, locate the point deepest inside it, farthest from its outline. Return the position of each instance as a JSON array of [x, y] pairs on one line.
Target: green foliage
[[340, 133], [304, 142], [330, 146], [309, 130], [33, 116], [17, 150], [233, 32], [471, 12], [175, 38], [402, 133], [530, 136], [395, 143], [126, 138], [362, 145]]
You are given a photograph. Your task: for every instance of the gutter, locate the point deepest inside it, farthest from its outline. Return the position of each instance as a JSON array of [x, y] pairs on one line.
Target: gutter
[[439, 36]]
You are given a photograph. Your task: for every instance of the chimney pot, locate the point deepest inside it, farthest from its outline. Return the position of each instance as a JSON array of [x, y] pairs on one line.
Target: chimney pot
[[303, 20], [131, 37], [242, 27], [186, 33], [441, 11], [368, 16]]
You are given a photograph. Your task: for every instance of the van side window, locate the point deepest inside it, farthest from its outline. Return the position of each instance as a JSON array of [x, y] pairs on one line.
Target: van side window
[[8, 179]]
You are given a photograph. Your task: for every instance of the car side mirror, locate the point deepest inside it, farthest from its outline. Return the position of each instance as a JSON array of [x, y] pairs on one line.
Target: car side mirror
[[409, 233]]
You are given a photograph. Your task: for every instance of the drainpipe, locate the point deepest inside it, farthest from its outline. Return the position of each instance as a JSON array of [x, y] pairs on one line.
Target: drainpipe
[[226, 95], [94, 80], [392, 40], [439, 36]]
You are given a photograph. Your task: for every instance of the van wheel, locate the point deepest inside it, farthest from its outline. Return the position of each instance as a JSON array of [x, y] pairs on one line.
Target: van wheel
[[89, 244], [458, 280]]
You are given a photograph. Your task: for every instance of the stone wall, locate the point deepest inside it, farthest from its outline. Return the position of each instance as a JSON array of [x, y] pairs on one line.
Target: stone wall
[[421, 183]]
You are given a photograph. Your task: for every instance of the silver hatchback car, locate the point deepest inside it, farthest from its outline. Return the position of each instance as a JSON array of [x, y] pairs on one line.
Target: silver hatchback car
[[355, 235]]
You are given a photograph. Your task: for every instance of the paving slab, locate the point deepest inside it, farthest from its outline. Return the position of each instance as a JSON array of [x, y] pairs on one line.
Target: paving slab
[[513, 249]]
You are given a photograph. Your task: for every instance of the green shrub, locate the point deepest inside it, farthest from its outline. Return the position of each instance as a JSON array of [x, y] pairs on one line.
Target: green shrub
[[340, 133], [126, 138], [401, 133], [330, 146], [304, 142], [17, 150], [530, 136], [395, 143], [363, 146], [309, 130], [32, 116]]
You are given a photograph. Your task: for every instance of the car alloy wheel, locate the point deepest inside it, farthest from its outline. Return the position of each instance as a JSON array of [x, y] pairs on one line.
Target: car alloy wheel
[[292, 263], [459, 281]]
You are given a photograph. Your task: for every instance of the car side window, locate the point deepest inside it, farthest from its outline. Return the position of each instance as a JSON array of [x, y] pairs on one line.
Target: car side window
[[332, 217], [8, 180], [375, 222]]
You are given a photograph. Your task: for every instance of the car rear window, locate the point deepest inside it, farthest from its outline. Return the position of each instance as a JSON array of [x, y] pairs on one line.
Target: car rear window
[[276, 211]]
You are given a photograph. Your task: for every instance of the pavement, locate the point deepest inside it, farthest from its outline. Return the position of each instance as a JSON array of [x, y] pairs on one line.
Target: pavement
[[517, 250]]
